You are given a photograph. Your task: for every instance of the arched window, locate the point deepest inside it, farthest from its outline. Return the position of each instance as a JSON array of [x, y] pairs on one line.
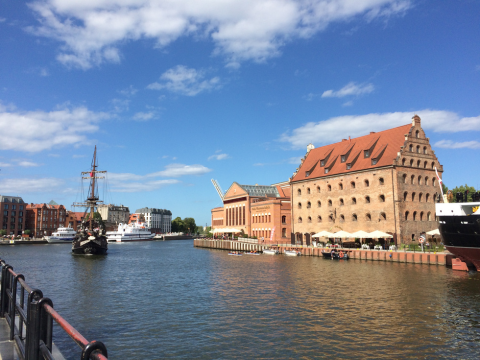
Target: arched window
[[404, 178], [406, 215], [341, 202], [308, 190], [309, 205], [381, 181], [433, 165], [309, 219], [354, 217], [330, 218], [403, 161], [299, 192], [424, 149], [368, 217], [417, 133], [340, 186], [426, 197], [299, 205], [329, 202], [412, 179], [329, 187], [354, 201], [420, 197], [413, 196], [418, 163], [434, 197], [342, 218], [352, 184], [429, 216], [405, 196], [418, 149], [382, 198], [318, 189], [419, 180], [284, 219], [426, 180], [421, 216], [411, 162], [411, 148], [414, 216], [367, 183], [300, 219], [284, 232], [425, 165], [319, 218], [383, 216], [319, 203], [433, 181], [367, 199]]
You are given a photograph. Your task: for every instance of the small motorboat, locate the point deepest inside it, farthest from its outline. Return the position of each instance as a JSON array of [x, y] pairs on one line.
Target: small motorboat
[[252, 253], [270, 251], [327, 254], [292, 253], [235, 253]]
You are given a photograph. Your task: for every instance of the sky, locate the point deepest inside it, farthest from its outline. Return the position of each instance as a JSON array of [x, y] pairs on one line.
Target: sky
[[175, 93]]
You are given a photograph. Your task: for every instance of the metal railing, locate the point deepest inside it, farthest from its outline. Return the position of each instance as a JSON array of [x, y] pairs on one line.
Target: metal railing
[[30, 319]]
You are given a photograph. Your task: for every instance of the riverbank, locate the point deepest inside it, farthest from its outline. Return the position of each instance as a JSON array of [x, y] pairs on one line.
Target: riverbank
[[361, 254]]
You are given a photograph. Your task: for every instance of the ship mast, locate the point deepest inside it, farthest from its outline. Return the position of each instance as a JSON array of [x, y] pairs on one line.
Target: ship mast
[[92, 200]]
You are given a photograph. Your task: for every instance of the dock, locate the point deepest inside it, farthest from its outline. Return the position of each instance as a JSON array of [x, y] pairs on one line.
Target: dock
[[401, 256]]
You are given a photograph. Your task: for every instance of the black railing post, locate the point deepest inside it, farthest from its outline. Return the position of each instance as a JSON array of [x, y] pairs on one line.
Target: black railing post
[[13, 304], [45, 325], [5, 286], [32, 339]]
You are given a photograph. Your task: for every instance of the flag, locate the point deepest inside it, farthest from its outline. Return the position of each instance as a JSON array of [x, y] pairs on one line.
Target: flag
[[271, 234], [91, 174]]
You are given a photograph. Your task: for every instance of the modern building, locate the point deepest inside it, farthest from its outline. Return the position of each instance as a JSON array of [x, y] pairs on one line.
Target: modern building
[[256, 210], [44, 219], [114, 214], [158, 220], [381, 181], [13, 215]]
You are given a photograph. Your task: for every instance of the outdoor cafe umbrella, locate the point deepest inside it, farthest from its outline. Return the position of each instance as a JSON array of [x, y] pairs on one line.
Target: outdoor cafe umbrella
[[379, 234], [433, 232], [361, 234], [226, 230], [323, 234], [342, 234]]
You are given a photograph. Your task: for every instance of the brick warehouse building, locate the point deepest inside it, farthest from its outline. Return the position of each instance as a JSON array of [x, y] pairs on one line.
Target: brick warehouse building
[[44, 219], [257, 210], [13, 214], [382, 181]]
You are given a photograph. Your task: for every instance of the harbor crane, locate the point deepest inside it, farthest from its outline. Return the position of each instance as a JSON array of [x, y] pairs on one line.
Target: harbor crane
[[219, 189]]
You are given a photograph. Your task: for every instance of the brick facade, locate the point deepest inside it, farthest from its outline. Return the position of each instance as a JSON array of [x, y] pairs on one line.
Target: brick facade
[[383, 181], [13, 215], [44, 219]]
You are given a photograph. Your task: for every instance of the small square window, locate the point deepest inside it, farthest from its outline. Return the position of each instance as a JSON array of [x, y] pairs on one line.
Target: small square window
[[349, 166], [322, 163], [326, 171], [374, 161], [343, 158], [367, 153]]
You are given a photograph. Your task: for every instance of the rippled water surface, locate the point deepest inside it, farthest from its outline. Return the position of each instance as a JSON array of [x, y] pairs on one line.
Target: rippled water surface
[[155, 300]]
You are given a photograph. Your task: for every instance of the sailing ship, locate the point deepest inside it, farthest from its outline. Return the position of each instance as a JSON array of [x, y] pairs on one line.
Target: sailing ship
[[90, 238]]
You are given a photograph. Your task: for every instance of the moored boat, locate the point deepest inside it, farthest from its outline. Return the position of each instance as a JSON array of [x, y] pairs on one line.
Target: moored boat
[[130, 232], [252, 253], [235, 253], [63, 235], [270, 251], [292, 253]]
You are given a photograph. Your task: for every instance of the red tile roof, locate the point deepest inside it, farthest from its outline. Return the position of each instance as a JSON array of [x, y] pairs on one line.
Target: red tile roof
[[386, 144]]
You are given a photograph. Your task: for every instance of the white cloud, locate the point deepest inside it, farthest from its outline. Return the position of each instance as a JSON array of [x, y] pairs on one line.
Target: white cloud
[[185, 81], [349, 90], [34, 131], [32, 185], [336, 128], [449, 144], [2, 164], [91, 31], [142, 116], [176, 170], [130, 91], [28, 164], [142, 186], [218, 157]]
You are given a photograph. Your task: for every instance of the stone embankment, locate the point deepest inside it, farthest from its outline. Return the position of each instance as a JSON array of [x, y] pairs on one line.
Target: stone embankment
[[374, 255]]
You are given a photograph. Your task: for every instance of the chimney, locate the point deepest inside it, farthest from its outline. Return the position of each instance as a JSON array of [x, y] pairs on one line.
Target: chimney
[[416, 120], [372, 132], [349, 138], [344, 140], [310, 147]]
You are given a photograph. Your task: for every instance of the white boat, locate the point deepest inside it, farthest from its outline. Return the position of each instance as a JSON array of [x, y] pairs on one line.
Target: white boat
[[292, 253], [63, 235], [130, 232], [270, 251]]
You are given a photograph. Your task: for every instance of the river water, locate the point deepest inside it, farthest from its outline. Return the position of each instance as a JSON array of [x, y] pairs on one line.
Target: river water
[[155, 300]]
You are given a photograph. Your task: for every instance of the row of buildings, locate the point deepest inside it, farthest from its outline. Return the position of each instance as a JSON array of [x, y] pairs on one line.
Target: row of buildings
[[381, 181], [44, 219]]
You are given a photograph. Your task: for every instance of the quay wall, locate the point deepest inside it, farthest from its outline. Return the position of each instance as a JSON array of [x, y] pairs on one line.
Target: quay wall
[[373, 255]]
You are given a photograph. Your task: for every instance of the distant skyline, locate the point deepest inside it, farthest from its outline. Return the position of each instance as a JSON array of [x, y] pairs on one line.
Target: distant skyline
[[174, 93]]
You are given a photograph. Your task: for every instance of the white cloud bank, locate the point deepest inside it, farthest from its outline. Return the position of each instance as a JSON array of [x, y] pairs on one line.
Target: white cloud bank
[[33, 185], [218, 157], [34, 131], [336, 128], [449, 144], [128, 182], [185, 81], [351, 89], [90, 31]]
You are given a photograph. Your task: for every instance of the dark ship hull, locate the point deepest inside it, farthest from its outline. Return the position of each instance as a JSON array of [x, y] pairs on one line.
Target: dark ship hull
[[97, 246]]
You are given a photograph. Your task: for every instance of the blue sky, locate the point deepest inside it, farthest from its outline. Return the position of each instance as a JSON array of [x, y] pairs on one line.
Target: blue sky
[[174, 93]]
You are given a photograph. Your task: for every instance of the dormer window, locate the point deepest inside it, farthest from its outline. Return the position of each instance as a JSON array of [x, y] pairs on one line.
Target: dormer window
[[366, 153], [322, 162], [349, 166], [374, 161], [307, 173], [344, 158], [326, 171]]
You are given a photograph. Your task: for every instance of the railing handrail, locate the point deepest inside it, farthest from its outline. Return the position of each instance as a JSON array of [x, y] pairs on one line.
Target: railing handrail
[[37, 320]]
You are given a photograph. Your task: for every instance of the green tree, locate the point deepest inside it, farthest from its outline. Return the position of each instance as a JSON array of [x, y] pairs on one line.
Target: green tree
[[3, 232], [97, 217], [189, 225], [444, 188], [27, 232], [177, 225], [462, 189]]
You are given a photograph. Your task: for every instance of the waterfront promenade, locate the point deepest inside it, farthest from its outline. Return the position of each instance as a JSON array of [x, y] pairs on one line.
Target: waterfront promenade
[[373, 255]]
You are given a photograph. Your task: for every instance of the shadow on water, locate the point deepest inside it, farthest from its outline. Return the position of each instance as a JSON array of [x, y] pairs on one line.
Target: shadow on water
[[168, 299]]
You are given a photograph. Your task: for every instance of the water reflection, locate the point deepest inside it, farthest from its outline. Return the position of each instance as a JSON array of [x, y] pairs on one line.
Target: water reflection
[[168, 299]]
